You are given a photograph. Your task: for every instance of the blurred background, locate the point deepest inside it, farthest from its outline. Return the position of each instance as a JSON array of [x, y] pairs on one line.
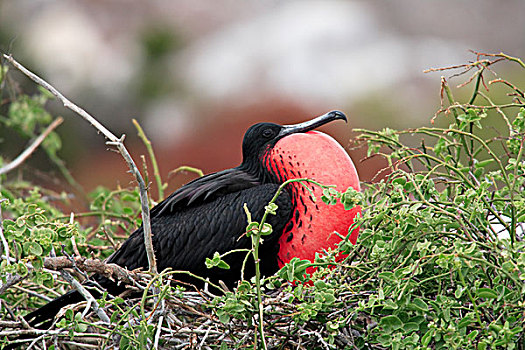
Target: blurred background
[[196, 74]]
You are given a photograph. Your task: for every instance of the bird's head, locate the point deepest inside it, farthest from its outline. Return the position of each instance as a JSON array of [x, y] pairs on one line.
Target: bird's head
[[261, 137]]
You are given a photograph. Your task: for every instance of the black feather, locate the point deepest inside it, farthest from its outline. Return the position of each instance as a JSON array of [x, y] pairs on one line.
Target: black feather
[[185, 238]]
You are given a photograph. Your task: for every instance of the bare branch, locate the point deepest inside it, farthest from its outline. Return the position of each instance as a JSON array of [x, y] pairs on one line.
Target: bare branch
[[28, 151], [87, 295], [111, 271], [113, 140], [5, 245], [11, 279], [67, 103]]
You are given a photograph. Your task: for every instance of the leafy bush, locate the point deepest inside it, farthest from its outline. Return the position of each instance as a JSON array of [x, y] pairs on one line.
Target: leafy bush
[[441, 250], [439, 262]]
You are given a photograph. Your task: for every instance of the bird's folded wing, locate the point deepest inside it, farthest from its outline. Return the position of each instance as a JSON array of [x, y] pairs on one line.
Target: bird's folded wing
[[187, 236], [205, 189]]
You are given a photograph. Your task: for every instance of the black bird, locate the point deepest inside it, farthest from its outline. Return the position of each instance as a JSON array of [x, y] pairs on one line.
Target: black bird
[[206, 216]]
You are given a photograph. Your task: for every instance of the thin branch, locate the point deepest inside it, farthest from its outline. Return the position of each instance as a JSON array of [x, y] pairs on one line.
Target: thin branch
[[187, 169], [5, 245], [111, 271], [146, 221], [67, 103], [152, 158], [10, 279], [28, 151], [158, 332], [502, 56], [114, 141], [91, 301], [87, 295], [33, 293]]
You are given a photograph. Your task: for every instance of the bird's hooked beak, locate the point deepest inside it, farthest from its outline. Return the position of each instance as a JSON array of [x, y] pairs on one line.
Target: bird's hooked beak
[[312, 124]]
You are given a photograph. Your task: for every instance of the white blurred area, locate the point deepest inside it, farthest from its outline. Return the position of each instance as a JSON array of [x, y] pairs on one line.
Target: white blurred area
[[319, 55], [501, 230]]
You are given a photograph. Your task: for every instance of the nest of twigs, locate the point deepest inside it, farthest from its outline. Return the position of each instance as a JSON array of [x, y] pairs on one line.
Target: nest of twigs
[[198, 319]]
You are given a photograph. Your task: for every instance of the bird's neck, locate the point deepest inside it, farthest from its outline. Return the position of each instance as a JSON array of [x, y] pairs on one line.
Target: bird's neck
[[263, 169], [280, 166]]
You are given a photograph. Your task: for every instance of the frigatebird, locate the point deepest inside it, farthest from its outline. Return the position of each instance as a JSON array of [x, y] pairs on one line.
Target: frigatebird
[[206, 215]]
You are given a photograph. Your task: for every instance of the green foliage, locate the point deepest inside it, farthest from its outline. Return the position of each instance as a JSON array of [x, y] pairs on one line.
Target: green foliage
[[295, 270], [439, 263], [118, 212], [32, 233], [27, 115], [440, 272], [240, 305]]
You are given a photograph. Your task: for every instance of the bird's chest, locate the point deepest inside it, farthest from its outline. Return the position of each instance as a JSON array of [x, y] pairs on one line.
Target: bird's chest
[[314, 226]]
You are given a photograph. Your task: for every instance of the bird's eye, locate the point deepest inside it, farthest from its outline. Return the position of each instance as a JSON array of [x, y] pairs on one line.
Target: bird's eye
[[268, 133]]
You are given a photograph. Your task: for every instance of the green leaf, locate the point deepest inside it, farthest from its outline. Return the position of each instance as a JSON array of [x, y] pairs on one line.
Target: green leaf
[[70, 314], [467, 320], [115, 316], [35, 249], [385, 340], [390, 304], [483, 163], [482, 345], [439, 146], [118, 300], [320, 284], [419, 304], [216, 261], [459, 291], [294, 270], [426, 338], [391, 323], [417, 319], [473, 335], [223, 265], [81, 327], [21, 221], [271, 208], [266, 229], [27, 247], [410, 327], [22, 269], [124, 342], [252, 228], [332, 326], [387, 276], [223, 316], [128, 211], [486, 293]]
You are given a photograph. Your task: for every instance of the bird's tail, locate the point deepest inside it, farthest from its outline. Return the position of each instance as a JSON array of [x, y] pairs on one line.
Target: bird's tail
[[43, 317]]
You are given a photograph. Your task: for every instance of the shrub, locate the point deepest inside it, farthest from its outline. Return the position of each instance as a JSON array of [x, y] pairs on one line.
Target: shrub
[[439, 263]]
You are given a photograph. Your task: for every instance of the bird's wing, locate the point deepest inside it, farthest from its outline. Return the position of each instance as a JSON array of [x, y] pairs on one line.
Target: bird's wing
[[205, 189], [186, 237]]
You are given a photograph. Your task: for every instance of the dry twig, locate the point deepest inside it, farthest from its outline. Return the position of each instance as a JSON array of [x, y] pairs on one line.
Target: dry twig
[[28, 151], [111, 271], [113, 141]]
